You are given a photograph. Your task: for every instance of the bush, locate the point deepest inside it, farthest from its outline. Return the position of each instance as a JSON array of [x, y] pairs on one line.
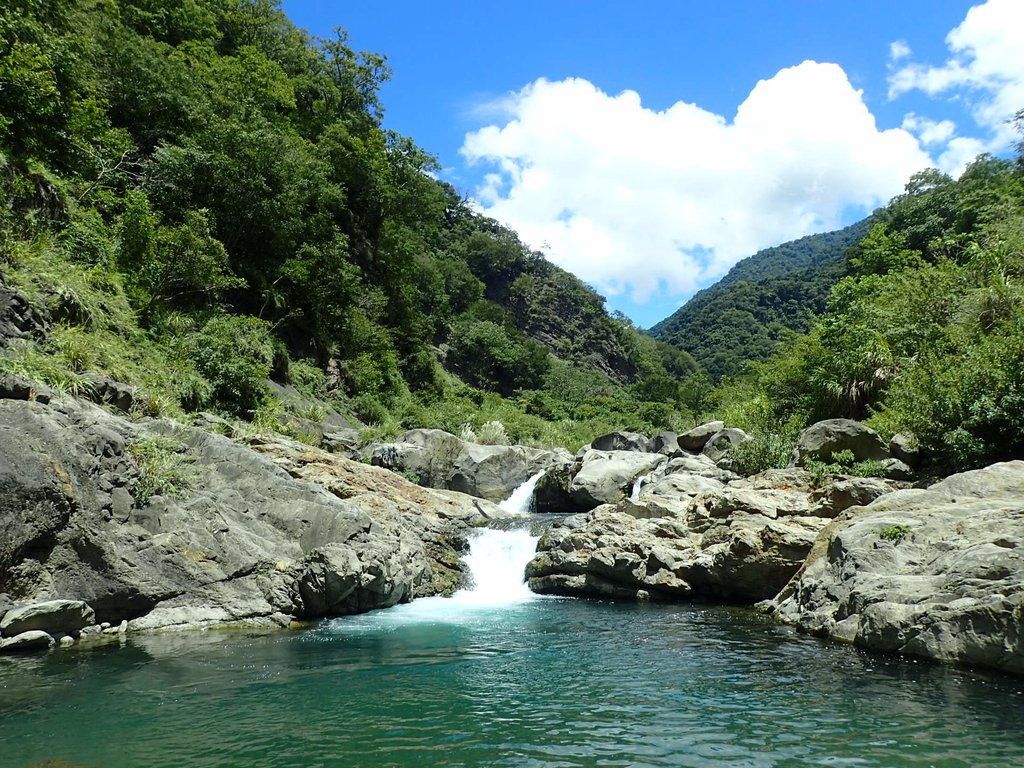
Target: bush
[[235, 353]]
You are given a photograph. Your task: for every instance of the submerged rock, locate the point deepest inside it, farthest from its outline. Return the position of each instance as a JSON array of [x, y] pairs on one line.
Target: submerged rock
[[937, 573]]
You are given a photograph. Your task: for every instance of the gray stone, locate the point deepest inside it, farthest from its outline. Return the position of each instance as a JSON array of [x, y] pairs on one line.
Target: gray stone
[[695, 440], [607, 476], [822, 440], [666, 443], [622, 441], [846, 492], [724, 441], [905, 447], [727, 544], [936, 572], [250, 523], [894, 469], [110, 392], [33, 640], [53, 616], [437, 459], [19, 388]]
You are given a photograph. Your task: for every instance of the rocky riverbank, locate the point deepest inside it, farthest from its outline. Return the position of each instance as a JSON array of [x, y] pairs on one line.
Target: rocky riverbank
[[161, 525]]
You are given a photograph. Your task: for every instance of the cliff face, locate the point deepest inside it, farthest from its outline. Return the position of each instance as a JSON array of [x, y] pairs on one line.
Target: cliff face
[[166, 525]]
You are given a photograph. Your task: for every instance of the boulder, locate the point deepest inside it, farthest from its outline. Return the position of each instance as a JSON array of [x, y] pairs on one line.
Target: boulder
[[19, 388], [894, 469], [437, 459], [19, 318], [551, 494], [33, 640], [52, 616], [622, 441], [905, 447], [666, 443], [247, 533], [607, 476], [822, 440], [724, 441], [846, 492], [695, 440], [935, 573], [107, 391], [738, 545]]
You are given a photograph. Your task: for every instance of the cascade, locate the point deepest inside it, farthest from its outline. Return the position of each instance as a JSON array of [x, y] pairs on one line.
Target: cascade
[[521, 500], [637, 485]]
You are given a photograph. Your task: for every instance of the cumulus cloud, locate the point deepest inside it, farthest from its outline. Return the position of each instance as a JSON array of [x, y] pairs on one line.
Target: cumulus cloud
[[642, 201], [985, 69], [898, 49]]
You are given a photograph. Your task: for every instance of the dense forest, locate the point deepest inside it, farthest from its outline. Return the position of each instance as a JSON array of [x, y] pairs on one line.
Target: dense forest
[[201, 197], [925, 335], [764, 300]]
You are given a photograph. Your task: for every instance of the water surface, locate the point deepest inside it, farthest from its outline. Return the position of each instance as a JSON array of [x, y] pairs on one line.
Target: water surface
[[515, 681]]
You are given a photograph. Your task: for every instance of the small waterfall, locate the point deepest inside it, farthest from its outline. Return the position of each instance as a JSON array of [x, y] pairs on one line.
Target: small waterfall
[[521, 500], [496, 562], [637, 485]]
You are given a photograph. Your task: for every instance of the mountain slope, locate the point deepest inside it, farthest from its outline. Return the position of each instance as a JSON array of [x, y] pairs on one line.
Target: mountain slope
[[763, 300]]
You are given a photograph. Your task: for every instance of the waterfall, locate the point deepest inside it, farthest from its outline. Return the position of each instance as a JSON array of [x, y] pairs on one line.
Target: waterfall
[[637, 485], [521, 500]]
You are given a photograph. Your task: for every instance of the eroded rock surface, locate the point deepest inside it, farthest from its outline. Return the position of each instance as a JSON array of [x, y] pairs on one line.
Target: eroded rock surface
[[262, 533], [688, 535], [936, 572]]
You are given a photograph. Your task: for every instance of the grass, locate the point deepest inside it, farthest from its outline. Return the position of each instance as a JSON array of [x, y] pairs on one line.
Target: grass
[[894, 533], [163, 468]]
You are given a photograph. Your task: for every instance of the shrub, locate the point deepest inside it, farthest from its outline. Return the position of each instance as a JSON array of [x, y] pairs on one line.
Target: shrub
[[235, 353], [163, 468]]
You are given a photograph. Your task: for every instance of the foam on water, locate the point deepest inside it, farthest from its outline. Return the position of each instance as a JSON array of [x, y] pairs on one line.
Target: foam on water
[[496, 563]]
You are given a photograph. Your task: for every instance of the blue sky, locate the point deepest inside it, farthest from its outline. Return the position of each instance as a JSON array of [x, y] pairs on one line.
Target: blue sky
[[647, 147]]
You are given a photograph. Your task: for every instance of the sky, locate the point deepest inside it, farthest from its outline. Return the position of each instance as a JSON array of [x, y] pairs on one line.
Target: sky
[[647, 147]]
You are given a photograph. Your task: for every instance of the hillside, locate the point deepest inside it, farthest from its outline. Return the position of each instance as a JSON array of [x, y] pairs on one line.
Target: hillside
[[762, 301], [198, 198]]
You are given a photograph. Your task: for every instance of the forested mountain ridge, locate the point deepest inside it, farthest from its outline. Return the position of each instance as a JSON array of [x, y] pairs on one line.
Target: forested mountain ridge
[[760, 302], [925, 335], [201, 195]]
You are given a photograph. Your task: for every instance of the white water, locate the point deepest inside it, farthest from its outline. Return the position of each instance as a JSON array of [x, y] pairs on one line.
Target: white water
[[496, 562], [521, 500], [637, 485]]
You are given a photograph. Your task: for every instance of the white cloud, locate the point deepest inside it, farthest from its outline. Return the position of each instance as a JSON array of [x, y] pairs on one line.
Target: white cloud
[[634, 200], [985, 70], [898, 49]]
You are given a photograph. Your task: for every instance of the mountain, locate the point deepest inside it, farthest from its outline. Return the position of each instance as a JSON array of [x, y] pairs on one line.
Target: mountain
[[763, 300]]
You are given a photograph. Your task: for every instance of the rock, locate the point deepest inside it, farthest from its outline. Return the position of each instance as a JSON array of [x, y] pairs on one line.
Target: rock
[[697, 465], [607, 476], [19, 388], [33, 640], [666, 443], [437, 459], [551, 494], [107, 391], [681, 485], [934, 572], [894, 469], [736, 545], [822, 440], [249, 524], [723, 441], [846, 492], [904, 446], [695, 440], [18, 317], [66, 641], [213, 423], [53, 616], [622, 441]]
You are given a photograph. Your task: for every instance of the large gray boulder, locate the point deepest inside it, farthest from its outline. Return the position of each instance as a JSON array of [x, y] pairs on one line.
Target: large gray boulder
[[255, 533], [822, 440], [622, 441], [724, 441], [33, 640], [52, 616], [607, 476], [438, 459], [733, 544], [936, 573], [695, 440]]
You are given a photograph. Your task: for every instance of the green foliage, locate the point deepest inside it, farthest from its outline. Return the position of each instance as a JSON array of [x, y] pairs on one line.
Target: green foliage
[[235, 354], [163, 466], [894, 533], [761, 303]]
